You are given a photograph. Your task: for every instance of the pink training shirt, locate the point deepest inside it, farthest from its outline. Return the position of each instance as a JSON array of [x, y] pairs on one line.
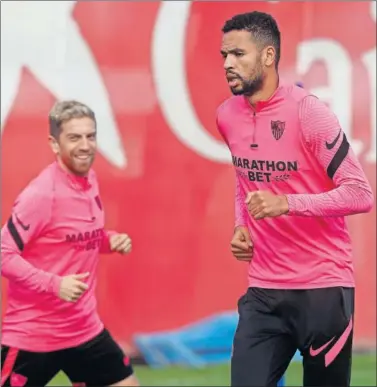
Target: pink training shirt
[[56, 229], [293, 145]]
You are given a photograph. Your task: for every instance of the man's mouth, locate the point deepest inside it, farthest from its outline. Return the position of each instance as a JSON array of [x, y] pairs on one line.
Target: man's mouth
[[83, 157], [232, 79], [233, 82]]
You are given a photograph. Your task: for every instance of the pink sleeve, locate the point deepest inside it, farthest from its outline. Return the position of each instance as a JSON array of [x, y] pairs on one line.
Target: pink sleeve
[[328, 144], [30, 215], [240, 208], [105, 246]]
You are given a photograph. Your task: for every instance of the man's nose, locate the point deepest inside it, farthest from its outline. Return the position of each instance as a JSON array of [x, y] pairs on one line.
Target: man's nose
[[84, 145], [228, 63]]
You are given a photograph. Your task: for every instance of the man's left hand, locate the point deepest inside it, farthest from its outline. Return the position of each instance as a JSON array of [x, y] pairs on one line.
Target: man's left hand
[[121, 243], [263, 204]]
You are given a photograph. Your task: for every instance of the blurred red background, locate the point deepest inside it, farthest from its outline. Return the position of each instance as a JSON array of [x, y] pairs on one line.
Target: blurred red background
[[162, 71]]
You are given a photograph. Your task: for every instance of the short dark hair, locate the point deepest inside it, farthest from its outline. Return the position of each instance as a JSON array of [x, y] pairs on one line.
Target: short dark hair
[[64, 111], [262, 26]]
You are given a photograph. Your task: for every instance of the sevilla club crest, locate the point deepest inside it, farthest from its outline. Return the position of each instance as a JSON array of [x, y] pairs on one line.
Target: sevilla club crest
[[277, 128]]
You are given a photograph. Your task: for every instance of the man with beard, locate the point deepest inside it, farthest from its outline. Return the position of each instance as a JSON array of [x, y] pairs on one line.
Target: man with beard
[[50, 248], [296, 180]]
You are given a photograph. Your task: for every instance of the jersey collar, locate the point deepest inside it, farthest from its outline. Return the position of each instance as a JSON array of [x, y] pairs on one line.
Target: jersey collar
[[275, 98], [78, 182]]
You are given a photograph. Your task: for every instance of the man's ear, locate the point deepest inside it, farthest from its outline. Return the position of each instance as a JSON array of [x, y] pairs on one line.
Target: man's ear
[[269, 56], [54, 145]]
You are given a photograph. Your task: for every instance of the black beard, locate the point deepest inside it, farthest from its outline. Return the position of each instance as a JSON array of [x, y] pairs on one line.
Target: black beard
[[249, 88]]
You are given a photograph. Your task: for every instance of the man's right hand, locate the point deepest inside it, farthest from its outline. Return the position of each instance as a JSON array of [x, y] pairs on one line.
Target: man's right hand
[[72, 287], [241, 245]]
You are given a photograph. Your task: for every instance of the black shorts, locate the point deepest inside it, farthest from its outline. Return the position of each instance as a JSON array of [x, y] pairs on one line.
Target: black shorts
[[273, 324], [99, 362]]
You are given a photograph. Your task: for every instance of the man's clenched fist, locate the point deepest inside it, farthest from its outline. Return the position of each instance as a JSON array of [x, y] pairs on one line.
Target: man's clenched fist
[[241, 245], [121, 243], [263, 204], [72, 287]]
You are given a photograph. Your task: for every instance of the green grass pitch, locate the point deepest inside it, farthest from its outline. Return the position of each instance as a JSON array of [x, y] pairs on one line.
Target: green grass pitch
[[363, 374]]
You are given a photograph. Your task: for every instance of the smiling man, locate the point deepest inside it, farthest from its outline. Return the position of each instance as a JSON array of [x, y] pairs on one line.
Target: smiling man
[[50, 249], [297, 178]]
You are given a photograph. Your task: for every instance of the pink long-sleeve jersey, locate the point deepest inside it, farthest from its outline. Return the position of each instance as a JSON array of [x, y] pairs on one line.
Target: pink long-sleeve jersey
[[56, 229], [293, 145]]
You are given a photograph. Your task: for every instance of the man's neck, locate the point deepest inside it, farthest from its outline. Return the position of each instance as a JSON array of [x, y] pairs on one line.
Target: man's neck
[[270, 85], [69, 171]]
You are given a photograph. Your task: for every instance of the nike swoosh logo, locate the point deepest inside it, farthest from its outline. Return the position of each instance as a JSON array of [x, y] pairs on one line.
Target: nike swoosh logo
[[24, 227], [315, 352], [339, 344], [332, 144], [336, 348]]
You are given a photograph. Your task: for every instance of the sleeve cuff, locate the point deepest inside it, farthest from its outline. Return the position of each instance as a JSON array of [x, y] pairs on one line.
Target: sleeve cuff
[[55, 283], [105, 248], [297, 205], [292, 204], [240, 224]]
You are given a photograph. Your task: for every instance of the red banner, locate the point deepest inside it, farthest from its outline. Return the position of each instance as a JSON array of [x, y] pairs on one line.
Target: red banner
[[153, 74]]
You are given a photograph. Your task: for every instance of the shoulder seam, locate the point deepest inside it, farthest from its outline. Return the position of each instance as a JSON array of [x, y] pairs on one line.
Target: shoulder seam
[[297, 105]]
